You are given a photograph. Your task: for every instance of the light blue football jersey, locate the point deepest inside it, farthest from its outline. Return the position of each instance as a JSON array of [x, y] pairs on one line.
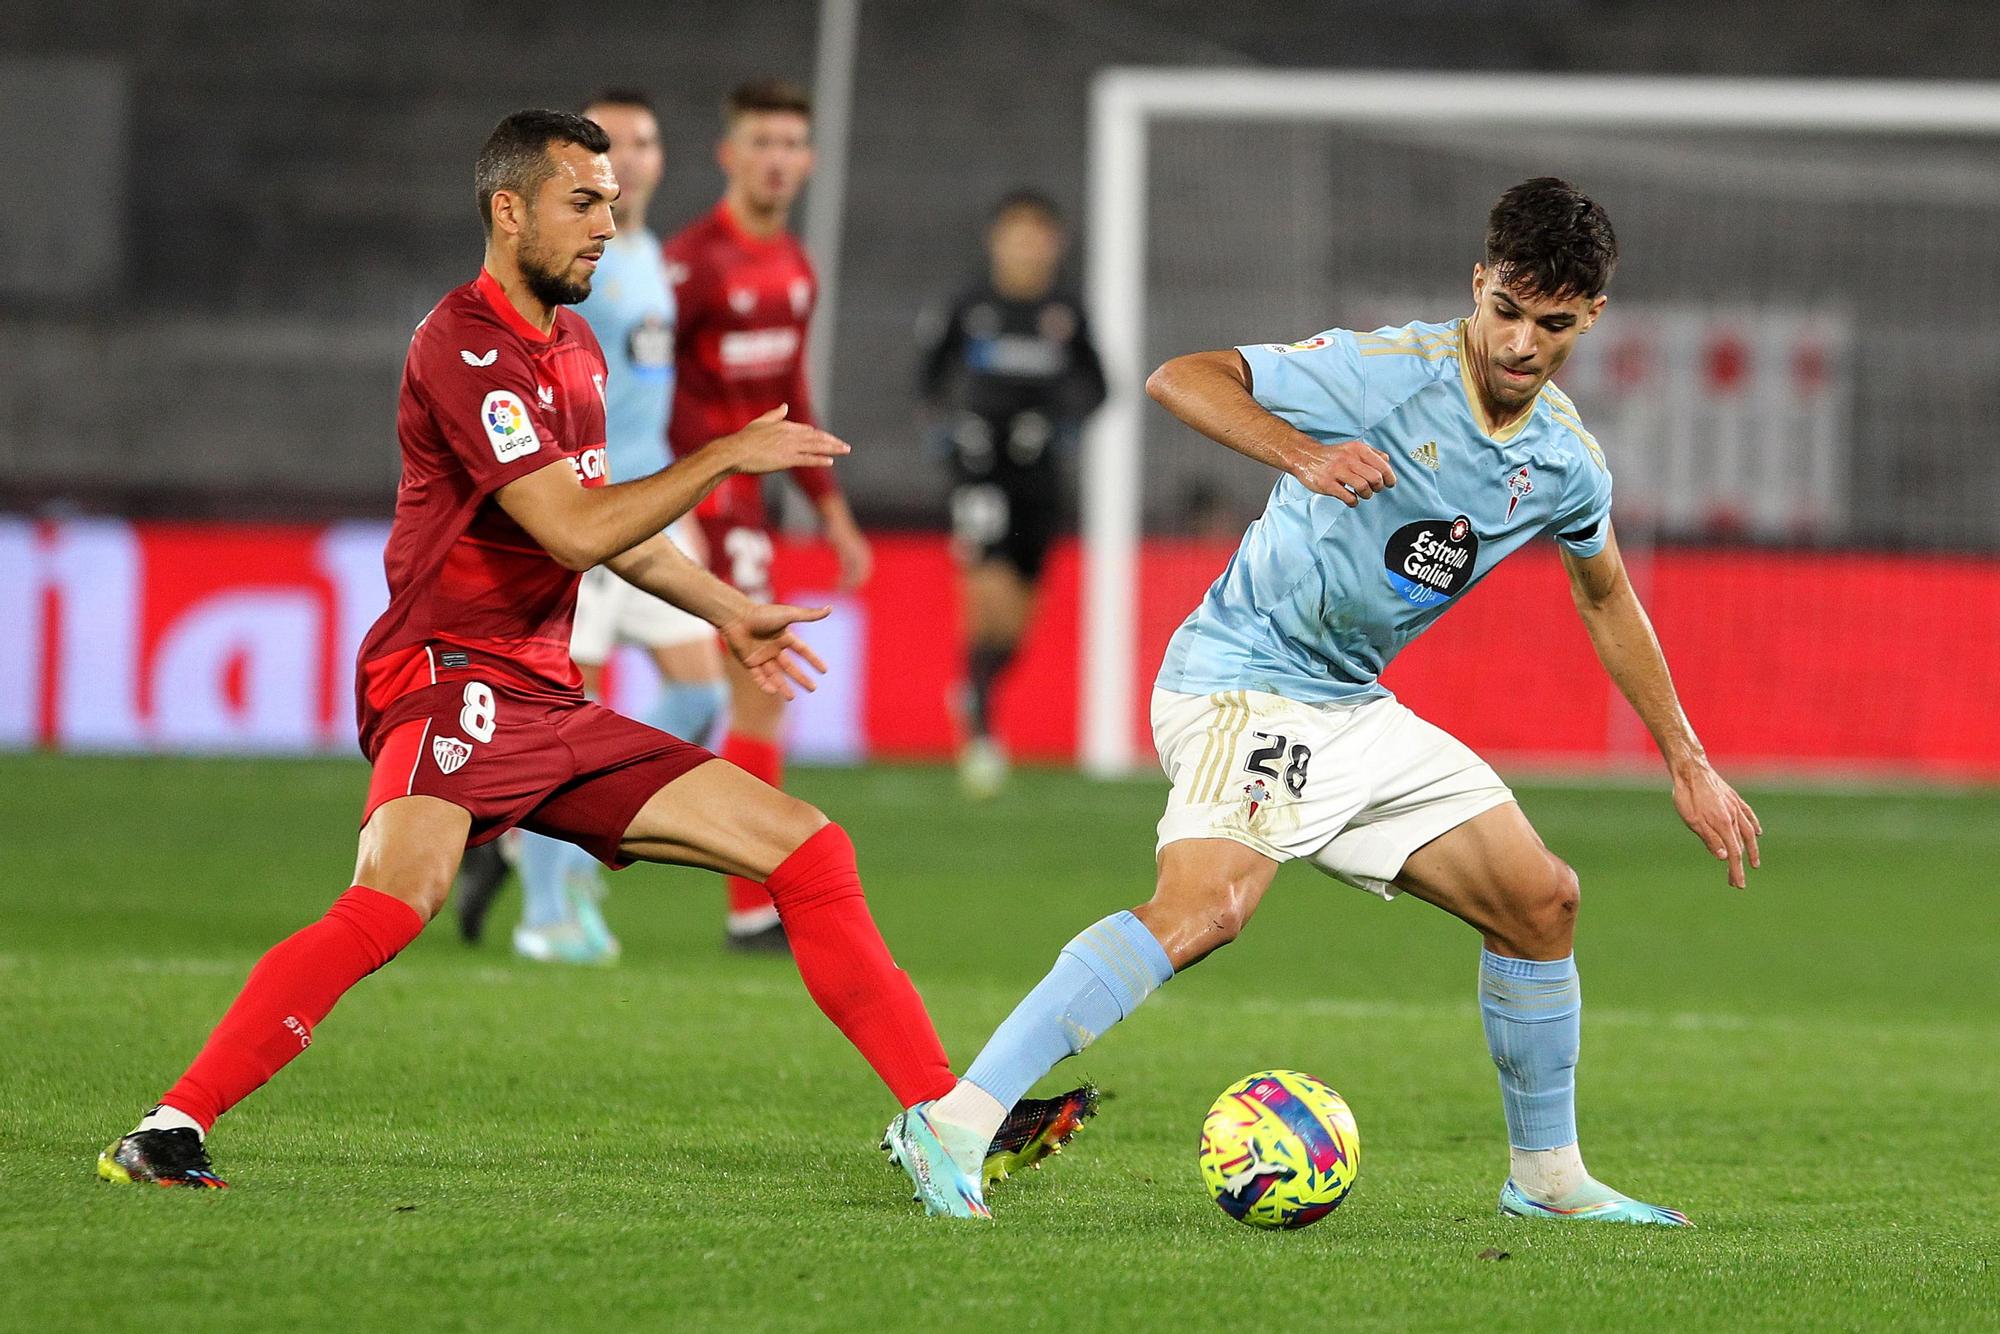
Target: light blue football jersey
[[631, 310], [1319, 597]]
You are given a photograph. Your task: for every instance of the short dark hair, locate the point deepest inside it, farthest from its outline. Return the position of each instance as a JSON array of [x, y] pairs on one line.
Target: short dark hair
[[765, 95], [619, 97], [1026, 197], [1550, 239], [516, 155]]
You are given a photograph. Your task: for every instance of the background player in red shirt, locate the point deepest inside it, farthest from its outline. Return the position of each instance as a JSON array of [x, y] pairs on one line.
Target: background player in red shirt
[[746, 290], [471, 710]]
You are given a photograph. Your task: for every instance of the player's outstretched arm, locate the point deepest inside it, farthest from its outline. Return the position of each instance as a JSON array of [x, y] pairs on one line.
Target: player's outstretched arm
[[1623, 637], [759, 634], [1210, 391], [582, 527]]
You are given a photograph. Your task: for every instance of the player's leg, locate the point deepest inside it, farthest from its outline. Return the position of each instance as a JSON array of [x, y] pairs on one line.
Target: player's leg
[[1206, 890], [660, 799], [1216, 858], [999, 600], [753, 739], [719, 817], [1494, 873], [753, 744], [693, 693], [409, 852], [561, 889]]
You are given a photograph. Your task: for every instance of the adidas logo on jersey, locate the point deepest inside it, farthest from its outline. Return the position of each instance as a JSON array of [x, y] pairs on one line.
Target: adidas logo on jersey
[[1427, 454], [450, 753]]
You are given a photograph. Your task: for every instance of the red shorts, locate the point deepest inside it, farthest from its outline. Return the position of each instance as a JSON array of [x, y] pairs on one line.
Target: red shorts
[[738, 554], [573, 770]]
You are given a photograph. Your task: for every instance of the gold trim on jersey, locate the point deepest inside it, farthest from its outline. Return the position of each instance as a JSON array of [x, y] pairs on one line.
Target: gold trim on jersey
[[1411, 343], [1479, 418], [1565, 413]]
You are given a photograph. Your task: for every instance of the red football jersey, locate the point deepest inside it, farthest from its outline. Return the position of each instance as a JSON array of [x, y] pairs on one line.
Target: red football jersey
[[739, 347], [486, 398]]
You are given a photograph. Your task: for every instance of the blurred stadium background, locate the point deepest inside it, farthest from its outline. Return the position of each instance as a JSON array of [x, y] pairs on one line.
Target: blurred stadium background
[[231, 215], [241, 211], [226, 216]]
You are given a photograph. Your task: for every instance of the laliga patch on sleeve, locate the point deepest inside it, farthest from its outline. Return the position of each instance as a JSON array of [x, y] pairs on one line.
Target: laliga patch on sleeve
[[507, 426]]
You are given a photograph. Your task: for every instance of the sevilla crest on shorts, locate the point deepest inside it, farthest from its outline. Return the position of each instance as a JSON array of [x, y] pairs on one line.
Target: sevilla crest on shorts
[[1518, 485], [450, 753]]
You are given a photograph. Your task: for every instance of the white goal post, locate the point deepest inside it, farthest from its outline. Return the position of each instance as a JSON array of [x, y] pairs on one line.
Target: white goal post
[[1126, 104]]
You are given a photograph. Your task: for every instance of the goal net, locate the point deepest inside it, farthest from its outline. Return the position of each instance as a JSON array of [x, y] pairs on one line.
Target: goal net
[[1795, 383]]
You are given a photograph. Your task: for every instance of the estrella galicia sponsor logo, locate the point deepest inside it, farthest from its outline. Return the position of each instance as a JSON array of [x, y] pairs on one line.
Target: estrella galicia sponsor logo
[[1429, 561]]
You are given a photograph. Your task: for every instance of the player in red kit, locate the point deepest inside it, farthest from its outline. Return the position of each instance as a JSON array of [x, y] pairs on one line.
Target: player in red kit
[[470, 708], [745, 291]]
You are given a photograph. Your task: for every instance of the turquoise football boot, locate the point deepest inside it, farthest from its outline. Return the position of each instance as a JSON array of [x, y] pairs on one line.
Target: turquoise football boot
[[945, 1189], [1514, 1203]]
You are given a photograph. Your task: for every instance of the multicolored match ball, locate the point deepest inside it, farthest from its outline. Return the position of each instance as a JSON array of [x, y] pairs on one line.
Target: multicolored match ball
[[1279, 1149]]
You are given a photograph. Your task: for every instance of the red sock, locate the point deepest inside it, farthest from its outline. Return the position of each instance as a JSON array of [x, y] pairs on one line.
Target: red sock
[[288, 992], [848, 971], [762, 760]]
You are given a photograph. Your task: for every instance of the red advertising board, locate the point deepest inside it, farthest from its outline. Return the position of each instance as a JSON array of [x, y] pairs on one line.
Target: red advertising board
[[142, 636]]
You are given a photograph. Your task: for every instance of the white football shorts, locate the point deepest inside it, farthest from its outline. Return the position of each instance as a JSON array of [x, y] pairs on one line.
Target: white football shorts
[[610, 612], [1354, 788]]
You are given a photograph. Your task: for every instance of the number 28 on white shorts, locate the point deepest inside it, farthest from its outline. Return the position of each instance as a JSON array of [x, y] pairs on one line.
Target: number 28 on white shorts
[[1353, 787]]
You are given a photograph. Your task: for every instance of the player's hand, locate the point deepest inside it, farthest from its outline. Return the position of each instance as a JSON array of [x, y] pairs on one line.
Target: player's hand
[[1350, 472], [762, 640], [1722, 820], [857, 558], [773, 444]]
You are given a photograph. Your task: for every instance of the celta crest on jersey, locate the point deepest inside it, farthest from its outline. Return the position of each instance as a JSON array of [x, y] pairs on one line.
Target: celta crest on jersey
[[1519, 485]]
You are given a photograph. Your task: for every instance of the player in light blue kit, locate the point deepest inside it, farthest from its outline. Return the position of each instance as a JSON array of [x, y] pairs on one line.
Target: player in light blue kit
[[1412, 461], [631, 310]]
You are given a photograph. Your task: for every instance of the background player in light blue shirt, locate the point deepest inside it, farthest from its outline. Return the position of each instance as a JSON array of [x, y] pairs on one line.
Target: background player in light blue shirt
[[1411, 460], [631, 310]]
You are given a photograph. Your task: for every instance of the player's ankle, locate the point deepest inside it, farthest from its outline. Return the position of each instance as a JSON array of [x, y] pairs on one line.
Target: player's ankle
[[970, 1108], [966, 1120], [164, 1117], [1549, 1176]]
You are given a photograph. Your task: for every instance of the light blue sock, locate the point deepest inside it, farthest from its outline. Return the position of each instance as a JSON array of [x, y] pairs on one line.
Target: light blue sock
[[690, 709], [1099, 979], [1533, 1014], [545, 865]]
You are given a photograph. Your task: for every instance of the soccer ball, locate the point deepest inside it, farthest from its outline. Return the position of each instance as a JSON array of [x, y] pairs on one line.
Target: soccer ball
[[1279, 1149]]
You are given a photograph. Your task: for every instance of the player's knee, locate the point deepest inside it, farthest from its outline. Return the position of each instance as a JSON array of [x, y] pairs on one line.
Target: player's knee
[[425, 889], [1544, 906], [793, 822], [1191, 924]]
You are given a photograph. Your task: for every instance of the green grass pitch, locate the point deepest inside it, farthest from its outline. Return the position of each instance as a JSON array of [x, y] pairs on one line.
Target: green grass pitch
[[1810, 1069]]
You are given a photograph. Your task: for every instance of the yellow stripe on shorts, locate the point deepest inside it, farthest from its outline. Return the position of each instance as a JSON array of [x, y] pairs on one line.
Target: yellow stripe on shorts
[[1231, 721]]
